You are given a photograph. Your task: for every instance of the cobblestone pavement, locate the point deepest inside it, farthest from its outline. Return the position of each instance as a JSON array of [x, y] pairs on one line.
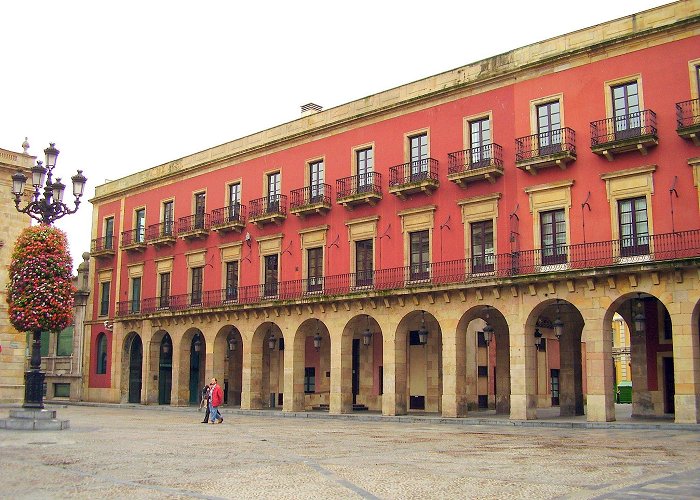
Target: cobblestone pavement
[[144, 453]]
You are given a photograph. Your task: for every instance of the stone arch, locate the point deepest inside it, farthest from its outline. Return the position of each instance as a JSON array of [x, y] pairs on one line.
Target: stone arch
[[418, 366], [651, 352], [358, 379], [228, 363], [192, 373], [264, 367], [132, 357], [483, 365], [160, 363], [312, 391], [557, 361]]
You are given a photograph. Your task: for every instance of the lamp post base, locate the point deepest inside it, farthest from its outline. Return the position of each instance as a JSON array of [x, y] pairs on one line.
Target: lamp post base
[[26, 419], [34, 390]]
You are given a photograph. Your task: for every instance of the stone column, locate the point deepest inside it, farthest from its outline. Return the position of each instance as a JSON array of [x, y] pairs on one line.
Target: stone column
[[181, 372], [454, 347], [294, 354], [251, 397], [600, 371], [686, 363], [523, 372], [395, 373], [341, 375], [503, 386]]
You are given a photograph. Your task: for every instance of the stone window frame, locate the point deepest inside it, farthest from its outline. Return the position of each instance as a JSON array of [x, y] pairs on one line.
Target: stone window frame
[[364, 228], [534, 103], [466, 127], [193, 199], [353, 160], [103, 230], [609, 84], [313, 237], [629, 183], [195, 258], [227, 193], [162, 208], [135, 271], [545, 198], [164, 265], [694, 74], [270, 245], [231, 252], [307, 169], [407, 142], [134, 222], [103, 276], [98, 353], [414, 220], [479, 209], [266, 182]]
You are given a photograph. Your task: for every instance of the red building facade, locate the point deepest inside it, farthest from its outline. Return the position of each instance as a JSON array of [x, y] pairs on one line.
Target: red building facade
[[556, 183]]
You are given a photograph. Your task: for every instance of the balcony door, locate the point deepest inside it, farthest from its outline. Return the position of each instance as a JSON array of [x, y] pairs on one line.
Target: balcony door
[[316, 180], [234, 202], [168, 218], [553, 237], [482, 246], [273, 192], [480, 143], [271, 275], [634, 226], [420, 256], [199, 208], [365, 168], [626, 112], [549, 128], [418, 150]]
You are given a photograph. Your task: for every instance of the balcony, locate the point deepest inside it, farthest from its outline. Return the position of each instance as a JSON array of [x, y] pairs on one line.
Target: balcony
[[359, 189], [227, 219], [564, 261], [414, 177], [475, 164], [134, 240], [633, 132], [268, 209], [688, 120], [310, 200], [162, 234], [546, 149], [102, 247], [194, 227]]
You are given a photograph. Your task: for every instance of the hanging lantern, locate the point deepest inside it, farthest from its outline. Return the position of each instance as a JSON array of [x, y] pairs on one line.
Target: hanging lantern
[[640, 321], [271, 341], [488, 333], [367, 334], [422, 331], [232, 344], [558, 323], [317, 341], [166, 345], [197, 343]]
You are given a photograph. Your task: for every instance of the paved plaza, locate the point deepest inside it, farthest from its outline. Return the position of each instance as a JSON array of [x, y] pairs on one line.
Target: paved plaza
[[117, 452]]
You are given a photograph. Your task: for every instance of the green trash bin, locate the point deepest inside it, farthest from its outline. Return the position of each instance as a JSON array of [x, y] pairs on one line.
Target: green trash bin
[[624, 392]]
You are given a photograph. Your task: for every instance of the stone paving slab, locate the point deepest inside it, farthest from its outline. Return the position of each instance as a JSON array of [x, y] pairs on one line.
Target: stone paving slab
[[120, 452]]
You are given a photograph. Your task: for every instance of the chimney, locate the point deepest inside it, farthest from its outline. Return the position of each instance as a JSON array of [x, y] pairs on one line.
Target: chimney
[[310, 109]]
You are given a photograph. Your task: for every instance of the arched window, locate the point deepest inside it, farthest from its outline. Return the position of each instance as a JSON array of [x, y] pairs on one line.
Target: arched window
[[101, 354]]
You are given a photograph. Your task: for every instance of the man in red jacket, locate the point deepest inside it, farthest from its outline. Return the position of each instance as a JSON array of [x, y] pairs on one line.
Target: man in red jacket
[[216, 397]]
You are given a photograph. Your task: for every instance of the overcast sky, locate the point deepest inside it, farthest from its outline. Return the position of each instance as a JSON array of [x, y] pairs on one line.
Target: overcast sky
[[123, 86]]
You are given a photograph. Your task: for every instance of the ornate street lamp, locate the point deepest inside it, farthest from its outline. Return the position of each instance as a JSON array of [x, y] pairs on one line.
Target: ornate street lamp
[[367, 334], [488, 329], [640, 321], [422, 331], [538, 338], [50, 207], [317, 337], [46, 209], [558, 324]]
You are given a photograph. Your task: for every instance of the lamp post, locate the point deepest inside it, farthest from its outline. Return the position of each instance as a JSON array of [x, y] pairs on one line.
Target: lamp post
[[46, 209]]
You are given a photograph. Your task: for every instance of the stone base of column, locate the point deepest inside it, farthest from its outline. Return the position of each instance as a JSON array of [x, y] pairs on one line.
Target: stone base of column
[[523, 407], [34, 420], [687, 409], [599, 409], [454, 406]]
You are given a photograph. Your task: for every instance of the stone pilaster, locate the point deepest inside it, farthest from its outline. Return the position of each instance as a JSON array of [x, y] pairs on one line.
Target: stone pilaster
[[686, 365]]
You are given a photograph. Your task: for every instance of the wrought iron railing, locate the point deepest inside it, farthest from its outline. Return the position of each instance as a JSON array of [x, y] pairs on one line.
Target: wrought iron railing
[[687, 114], [234, 213], [620, 128], [553, 142], [102, 244], [161, 230], [627, 251], [370, 182], [474, 158], [413, 171], [133, 236], [310, 195], [268, 205], [194, 222]]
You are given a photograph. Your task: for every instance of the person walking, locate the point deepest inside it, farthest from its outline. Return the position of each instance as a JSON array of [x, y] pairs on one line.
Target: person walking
[[216, 397], [205, 403]]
